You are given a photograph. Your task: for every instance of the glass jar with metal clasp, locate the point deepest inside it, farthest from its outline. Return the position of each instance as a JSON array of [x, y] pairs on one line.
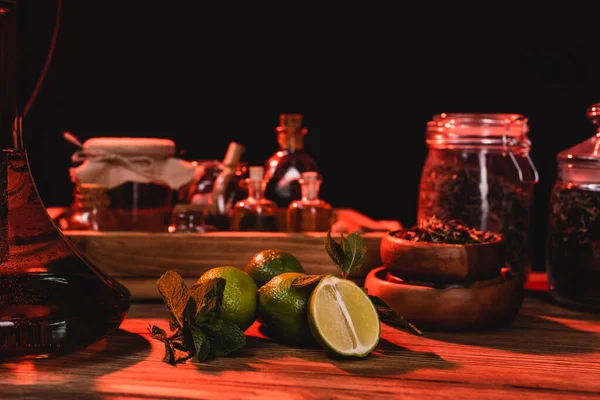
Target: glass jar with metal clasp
[[478, 170]]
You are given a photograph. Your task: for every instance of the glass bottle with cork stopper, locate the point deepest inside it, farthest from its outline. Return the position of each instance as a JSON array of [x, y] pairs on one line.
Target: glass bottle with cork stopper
[[573, 230], [256, 212], [89, 210], [310, 213], [285, 167], [224, 189]]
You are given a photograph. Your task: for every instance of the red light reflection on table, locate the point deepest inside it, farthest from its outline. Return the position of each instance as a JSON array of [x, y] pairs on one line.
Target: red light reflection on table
[[25, 373], [244, 376]]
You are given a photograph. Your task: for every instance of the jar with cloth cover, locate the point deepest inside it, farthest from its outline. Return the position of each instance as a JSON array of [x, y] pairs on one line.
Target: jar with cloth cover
[[141, 176]]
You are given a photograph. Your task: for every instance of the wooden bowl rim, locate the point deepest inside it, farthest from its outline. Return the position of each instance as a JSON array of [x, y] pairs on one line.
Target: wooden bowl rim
[[390, 235], [375, 272]]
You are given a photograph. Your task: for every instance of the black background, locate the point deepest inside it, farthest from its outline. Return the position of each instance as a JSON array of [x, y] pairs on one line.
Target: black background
[[366, 77]]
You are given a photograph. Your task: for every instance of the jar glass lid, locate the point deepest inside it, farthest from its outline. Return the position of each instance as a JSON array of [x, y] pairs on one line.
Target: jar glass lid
[[589, 149], [495, 129]]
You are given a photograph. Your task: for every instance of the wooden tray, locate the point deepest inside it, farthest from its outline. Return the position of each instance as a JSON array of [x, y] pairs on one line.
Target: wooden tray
[[138, 259]]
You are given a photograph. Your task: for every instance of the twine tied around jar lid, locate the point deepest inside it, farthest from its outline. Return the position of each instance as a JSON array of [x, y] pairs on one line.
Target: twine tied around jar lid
[[112, 161]]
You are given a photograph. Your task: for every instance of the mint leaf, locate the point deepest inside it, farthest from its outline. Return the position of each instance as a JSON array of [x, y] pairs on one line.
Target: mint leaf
[[179, 351], [175, 294], [169, 356], [214, 325], [389, 315], [335, 252], [176, 350], [201, 343], [228, 340], [173, 323], [306, 280], [354, 250], [205, 300], [157, 333]]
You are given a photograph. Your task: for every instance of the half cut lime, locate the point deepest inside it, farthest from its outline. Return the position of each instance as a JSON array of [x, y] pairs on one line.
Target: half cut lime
[[342, 318]]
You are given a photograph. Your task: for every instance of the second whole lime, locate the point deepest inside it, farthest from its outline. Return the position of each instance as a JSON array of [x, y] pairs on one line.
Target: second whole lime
[[283, 309], [267, 264], [240, 296]]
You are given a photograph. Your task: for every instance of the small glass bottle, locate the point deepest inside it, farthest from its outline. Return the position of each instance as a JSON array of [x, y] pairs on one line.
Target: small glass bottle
[[189, 218], [89, 210], [310, 213], [573, 232], [256, 212], [284, 168]]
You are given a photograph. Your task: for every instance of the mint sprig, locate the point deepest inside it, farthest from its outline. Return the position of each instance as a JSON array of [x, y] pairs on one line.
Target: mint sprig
[[349, 254], [196, 329]]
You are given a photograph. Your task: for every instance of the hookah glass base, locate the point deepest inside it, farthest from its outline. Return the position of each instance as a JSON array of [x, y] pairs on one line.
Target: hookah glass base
[[52, 299]]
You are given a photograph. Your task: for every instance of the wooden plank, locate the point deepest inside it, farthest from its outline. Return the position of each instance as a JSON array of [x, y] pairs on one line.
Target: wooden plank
[[548, 352], [137, 259]]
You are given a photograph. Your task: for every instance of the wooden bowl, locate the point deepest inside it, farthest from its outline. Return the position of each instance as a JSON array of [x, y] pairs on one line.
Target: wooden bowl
[[435, 262], [459, 307]]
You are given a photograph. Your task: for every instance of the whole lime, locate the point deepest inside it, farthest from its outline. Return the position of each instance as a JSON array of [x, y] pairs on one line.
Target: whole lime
[[267, 264], [283, 309], [239, 297]]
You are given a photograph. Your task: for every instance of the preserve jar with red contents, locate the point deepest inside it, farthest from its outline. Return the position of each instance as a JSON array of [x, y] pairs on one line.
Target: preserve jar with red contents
[[478, 170], [141, 176]]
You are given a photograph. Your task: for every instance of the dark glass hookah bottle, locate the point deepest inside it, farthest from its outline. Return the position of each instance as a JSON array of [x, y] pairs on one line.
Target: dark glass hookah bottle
[[52, 299]]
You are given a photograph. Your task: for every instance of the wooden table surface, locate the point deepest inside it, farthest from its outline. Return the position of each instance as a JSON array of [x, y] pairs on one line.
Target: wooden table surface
[[548, 352]]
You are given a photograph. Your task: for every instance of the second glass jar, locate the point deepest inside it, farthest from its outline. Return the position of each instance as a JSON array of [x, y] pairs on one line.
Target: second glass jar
[[573, 235]]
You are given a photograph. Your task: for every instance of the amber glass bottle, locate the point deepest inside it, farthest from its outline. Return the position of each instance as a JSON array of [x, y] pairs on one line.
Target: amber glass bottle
[[310, 213], [284, 168], [255, 213]]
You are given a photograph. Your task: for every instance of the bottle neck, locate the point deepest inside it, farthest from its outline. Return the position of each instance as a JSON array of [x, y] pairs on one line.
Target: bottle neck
[[256, 190], [310, 190], [233, 156], [291, 140]]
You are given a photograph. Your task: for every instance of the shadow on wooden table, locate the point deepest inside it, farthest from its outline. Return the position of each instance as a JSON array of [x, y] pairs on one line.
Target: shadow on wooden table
[[70, 374], [400, 361], [274, 356], [529, 334], [564, 311], [98, 358]]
